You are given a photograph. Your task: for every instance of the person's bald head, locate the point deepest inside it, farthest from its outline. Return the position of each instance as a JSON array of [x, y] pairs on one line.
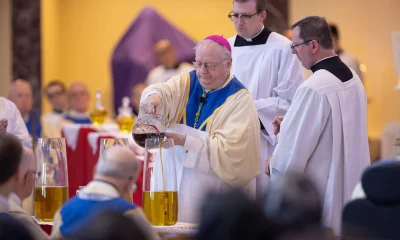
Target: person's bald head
[[165, 53], [119, 166], [78, 97], [21, 94], [26, 173], [118, 162]]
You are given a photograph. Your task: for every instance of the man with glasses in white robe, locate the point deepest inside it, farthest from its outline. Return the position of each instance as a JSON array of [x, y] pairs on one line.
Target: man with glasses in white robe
[[263, 63]]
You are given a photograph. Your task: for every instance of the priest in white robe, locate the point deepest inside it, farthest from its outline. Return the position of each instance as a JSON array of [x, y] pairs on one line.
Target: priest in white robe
[[263, 62], [324, 133], [12, 122], [218, 127]]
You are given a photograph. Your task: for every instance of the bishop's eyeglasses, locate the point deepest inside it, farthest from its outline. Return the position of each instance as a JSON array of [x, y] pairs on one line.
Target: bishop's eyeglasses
[[245, 17], [208, 66]]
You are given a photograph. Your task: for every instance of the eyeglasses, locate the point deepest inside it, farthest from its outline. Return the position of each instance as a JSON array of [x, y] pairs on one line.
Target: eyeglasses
[[37, 174], [208, 66], [293, 46], [245, 17]]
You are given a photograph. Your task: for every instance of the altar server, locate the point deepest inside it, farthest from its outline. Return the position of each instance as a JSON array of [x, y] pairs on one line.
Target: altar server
[[324, 133], [263, 62]]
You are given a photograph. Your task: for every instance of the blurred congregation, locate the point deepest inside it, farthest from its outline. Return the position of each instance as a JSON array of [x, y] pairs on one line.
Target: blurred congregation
[[264, 119]]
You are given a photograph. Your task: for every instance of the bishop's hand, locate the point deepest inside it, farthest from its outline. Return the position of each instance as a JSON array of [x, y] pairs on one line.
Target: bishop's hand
[[152, 104]]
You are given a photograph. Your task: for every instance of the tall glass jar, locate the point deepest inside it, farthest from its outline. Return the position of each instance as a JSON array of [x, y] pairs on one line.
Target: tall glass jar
[[160, 191], [51, 185]]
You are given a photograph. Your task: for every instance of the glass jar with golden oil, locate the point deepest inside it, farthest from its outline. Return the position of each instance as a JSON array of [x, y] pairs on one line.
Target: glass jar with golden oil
[[160, 191], [51, 183], [99, 114], [125, 117]]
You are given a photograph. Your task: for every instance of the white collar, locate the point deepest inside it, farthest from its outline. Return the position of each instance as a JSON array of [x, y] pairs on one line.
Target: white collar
[[15, 199], [251, 39], [99, 187]]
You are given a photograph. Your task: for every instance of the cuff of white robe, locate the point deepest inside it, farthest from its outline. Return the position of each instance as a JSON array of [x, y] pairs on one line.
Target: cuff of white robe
[[190, 144], [150, 93], [192, 147]]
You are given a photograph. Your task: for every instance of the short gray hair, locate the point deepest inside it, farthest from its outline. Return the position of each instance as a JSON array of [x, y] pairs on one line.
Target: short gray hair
[[226, 53], [118, 162]]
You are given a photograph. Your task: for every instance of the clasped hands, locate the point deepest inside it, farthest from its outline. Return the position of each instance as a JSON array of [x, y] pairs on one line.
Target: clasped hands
[[277, 128]]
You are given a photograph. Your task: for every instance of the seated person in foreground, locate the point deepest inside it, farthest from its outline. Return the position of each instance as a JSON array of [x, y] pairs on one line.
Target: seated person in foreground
[[24, 186], [115, 176], [111, 225]]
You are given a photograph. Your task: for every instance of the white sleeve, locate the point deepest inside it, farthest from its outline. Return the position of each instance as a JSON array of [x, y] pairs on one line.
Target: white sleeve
[[17, 126], [289, 78], [300, 132]]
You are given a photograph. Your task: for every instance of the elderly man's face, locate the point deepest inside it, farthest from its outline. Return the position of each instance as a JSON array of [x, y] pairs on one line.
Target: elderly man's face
[[21, 95], [212, 68], [78, 96]]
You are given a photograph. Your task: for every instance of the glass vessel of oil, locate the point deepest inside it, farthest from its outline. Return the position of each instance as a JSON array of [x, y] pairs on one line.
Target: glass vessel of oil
[[160, 192], [98, 114], [125, 118], [51, 185]]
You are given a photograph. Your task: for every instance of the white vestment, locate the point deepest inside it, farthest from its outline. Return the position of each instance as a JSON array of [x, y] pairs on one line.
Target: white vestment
[[51, 124], [324, 136], [161, 74], [16, 124], [272, 75]]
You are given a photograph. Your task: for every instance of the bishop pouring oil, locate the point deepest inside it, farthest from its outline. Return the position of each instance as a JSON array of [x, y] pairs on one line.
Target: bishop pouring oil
[[211, 124]]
